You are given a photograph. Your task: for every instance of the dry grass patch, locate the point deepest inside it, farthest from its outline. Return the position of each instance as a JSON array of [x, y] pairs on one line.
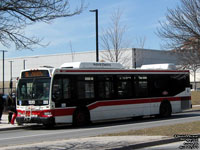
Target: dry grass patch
[[195, 96], [170, 130], [195, 108]]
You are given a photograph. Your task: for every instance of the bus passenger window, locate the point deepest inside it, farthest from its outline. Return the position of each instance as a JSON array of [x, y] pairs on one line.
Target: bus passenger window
[[124, 86], [57, 89], [140, 86], [66, 88], [105, 87], [85, 87]]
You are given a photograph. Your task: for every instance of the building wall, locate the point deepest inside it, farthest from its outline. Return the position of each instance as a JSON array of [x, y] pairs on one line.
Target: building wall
[[141, 56], [146, 56]]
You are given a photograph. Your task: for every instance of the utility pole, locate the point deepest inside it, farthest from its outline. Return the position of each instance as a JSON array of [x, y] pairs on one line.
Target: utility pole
[[3, 51], [134, 57], [24, 64], [97, 40]]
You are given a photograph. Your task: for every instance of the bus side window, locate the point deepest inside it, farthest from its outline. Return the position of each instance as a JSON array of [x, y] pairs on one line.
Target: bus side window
[[180, 82], [124, 86], [85, 87], [160, 85], [140, 86], [66, 88], [57, 89], [105, 87]]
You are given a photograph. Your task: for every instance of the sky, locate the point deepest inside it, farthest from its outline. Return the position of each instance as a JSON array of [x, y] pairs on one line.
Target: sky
[[141, 18]]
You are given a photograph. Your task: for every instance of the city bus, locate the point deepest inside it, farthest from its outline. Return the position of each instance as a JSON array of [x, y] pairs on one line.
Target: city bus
[[83, 92]]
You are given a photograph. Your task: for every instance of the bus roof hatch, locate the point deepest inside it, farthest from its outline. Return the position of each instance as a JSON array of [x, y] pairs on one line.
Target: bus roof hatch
[[167, 66], [92, 65]]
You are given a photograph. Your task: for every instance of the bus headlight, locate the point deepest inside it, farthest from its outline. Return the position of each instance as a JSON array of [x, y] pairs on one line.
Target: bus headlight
[[19, 113]]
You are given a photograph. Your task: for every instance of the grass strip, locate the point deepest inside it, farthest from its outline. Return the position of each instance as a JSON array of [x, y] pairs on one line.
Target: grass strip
[[195, 95], [190, 128]]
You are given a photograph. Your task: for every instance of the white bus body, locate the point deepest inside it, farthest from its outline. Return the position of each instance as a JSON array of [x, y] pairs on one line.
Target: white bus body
[[99, 91]]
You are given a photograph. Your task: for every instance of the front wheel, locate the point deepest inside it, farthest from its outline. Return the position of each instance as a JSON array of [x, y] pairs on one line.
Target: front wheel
[[20, 124], [49, 125], [165, 109], [81, 117]]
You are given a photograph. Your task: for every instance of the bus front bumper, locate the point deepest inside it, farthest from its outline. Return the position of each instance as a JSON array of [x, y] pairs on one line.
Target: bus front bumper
[[43, 120]]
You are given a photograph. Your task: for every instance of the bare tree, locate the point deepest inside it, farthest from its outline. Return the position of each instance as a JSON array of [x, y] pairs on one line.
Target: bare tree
[[140, 42], [182, 33], [15, 15], [189, 59], [182, 25], [113, 40]]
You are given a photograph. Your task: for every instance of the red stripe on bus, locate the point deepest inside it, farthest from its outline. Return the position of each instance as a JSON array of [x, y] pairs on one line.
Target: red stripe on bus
[[54, 112], [135, 101]]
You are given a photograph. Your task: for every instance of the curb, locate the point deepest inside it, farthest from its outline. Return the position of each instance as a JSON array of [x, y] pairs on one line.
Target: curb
[[147, 144], [150, 144], [190, 111], [12, 128]]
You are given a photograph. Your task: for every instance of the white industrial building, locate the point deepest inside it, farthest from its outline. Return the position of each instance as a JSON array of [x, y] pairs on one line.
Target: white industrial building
[[136, 57]]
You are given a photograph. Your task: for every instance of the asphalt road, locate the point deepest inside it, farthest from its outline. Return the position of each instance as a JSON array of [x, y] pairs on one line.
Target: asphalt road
[[35, 134]]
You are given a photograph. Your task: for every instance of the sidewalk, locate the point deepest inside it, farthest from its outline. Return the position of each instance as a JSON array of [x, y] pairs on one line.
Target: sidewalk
[[4, 125], [94, 143]]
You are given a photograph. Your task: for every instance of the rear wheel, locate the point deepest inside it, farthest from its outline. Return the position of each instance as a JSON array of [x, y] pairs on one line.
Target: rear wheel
[[165, 109], [81, 117], [137, 118]]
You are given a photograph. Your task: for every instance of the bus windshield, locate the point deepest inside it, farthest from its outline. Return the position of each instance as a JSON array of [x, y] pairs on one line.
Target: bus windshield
[[33, 89]]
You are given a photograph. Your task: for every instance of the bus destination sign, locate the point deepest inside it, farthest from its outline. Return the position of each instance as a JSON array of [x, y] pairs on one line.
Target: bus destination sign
[[35, 73]]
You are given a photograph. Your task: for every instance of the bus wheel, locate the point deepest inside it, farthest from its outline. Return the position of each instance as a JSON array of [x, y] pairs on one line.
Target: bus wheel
[[165, 109], [19, 124], [49, 125], [81, 117]]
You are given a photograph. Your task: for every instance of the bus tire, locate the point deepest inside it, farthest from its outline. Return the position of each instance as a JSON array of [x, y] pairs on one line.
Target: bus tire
[[81, 117], [20, 124], [165, 109], [49, 125]]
